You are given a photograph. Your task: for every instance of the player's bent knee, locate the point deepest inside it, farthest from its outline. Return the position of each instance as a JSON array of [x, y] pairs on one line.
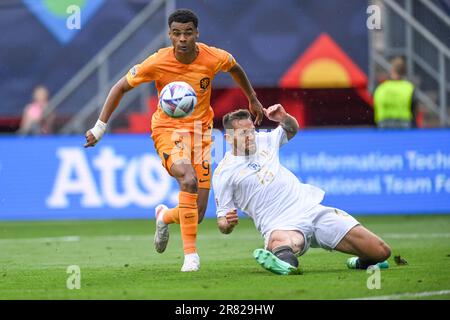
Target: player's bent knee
[[384, 251], [278, 239], [188, 183], [297, 242], [380, 253], [286, 254], [292, 239]]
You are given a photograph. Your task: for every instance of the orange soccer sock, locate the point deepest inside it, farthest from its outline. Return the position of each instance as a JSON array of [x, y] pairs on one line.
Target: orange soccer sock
[[172, 216], [188, 215]]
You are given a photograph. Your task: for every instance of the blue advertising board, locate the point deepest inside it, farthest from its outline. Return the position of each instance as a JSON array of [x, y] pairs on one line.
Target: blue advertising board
[[376, 172], [363, 171]]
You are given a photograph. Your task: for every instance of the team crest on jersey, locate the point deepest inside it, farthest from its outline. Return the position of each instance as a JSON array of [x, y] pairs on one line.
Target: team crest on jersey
[[254, 166], [204, 83]]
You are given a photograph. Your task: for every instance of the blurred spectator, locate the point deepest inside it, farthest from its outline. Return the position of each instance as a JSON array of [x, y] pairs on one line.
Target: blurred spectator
[[394, 102], [33, 120]]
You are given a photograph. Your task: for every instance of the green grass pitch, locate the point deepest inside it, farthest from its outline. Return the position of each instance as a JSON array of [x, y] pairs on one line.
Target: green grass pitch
[[117, 261]]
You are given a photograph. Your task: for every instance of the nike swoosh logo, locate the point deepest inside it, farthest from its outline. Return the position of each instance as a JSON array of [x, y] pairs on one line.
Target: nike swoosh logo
[[203, 180]]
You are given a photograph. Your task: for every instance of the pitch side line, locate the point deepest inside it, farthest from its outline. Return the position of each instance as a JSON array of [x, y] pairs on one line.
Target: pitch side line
[[406, 295], [415, 235], [207, 236]]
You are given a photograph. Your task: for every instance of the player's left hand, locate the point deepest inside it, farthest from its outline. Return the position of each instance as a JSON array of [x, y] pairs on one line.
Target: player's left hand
[[275, 113], [256, 109], [232, 218]]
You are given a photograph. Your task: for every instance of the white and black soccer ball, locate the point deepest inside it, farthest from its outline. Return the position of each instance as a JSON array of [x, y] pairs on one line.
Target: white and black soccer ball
[[177, 99]]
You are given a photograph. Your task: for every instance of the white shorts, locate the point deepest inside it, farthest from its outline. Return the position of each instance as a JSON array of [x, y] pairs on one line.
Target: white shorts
[[322, 227]]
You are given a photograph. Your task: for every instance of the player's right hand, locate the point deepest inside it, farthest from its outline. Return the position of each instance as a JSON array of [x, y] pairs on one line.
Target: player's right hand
[[256, 109], [90, 139], [95, 134], [232, 218]]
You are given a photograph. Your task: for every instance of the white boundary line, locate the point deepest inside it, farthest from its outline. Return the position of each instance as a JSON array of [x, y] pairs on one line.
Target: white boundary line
[[145, 237], [407, 295], [415, 235]]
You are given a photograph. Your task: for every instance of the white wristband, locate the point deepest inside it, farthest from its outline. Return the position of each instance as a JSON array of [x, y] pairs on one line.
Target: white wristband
[[99, 129]]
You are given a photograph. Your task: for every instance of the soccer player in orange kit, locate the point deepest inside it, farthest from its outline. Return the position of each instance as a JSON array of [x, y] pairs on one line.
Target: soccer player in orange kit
[[183, 144]]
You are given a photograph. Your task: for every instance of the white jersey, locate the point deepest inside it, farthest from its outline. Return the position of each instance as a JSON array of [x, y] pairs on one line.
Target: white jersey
[[261, 187]]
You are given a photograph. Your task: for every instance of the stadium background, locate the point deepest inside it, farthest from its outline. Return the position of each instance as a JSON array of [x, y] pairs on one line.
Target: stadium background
[[320, 69]]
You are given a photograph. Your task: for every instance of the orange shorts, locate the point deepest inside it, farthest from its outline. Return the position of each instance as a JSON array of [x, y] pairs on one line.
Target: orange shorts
[[174, 145]]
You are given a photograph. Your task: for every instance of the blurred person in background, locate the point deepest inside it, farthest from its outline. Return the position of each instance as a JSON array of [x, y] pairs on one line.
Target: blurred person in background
[[33, 120], [394, 101]]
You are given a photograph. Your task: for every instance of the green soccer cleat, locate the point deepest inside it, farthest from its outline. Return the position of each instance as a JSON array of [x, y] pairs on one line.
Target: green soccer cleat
[[270, 262], [351, 263]]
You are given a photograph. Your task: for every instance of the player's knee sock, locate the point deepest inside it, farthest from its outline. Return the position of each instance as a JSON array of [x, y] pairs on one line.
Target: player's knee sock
[[286, 254], [172, 216], [188, 213]]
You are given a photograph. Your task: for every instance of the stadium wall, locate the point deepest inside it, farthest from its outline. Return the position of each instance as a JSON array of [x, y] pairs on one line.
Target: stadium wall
[[41, 50], [363, 171]]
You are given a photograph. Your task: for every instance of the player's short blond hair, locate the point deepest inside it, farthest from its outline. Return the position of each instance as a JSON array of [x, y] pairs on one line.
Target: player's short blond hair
[[239, 114]]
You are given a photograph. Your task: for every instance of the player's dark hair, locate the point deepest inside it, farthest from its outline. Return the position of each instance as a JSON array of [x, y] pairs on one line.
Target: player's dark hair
[[240, 114], [183, 16]]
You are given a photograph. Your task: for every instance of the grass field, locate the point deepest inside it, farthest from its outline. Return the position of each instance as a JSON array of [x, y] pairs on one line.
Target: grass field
[[117, 261]]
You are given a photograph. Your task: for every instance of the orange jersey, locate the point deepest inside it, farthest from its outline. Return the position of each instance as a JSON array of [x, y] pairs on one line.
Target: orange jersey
[[163, 68]]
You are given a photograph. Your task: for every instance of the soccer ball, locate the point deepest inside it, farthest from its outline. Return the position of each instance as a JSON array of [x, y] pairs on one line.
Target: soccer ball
[[177, 99]]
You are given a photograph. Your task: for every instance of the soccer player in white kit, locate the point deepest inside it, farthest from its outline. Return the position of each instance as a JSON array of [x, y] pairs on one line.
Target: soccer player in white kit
[[285, 211]]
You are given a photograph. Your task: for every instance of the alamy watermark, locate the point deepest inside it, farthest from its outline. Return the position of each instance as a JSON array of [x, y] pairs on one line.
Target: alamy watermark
[[374, 280], [373, 22], [74, 279], [73, 21], [197, 144]]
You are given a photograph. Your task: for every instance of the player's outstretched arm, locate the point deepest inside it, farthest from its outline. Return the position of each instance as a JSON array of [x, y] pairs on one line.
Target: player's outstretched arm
[[278, 114], [255, 107], [226, 224], [112, 101]]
